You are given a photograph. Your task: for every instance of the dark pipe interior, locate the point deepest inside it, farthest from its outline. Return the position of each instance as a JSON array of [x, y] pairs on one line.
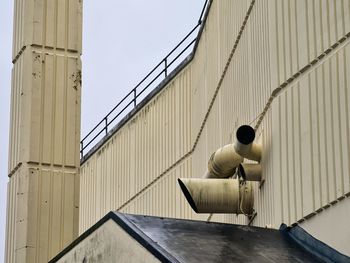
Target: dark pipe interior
[[245, 134], [187, 195], [241, 171]]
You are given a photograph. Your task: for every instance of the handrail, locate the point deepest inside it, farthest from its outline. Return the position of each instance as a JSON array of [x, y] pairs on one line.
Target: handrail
[[134, 94]]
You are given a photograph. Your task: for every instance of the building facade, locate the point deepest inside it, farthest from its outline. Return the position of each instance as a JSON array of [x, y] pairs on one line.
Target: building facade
[[279, 66], [288, 78]]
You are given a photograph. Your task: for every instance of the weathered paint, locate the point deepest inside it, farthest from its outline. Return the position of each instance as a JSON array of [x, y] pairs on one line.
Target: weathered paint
[[109, 243], [43, 191], [305, 132]]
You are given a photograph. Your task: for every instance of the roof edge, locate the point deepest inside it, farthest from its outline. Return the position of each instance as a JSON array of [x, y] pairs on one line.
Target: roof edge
[[143, 239], [129, 228], [314, 246]]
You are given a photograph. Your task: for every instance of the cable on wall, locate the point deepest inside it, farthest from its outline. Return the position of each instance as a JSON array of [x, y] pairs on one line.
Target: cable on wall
[[302, 71]]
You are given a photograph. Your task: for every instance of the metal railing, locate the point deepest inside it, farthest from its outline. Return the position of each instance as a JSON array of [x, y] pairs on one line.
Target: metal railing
[[134, 96]]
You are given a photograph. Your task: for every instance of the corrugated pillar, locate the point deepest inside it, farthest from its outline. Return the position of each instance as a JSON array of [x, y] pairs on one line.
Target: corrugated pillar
[[43, 189]]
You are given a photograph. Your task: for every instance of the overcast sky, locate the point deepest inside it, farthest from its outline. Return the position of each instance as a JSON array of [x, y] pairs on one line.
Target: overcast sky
[[122, 41]]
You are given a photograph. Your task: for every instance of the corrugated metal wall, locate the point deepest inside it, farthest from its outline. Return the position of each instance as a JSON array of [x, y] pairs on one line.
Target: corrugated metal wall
[[311, 139], [48, 23], [310, 150], [43, 191], [42, 213], [304, 132], [142, 150]]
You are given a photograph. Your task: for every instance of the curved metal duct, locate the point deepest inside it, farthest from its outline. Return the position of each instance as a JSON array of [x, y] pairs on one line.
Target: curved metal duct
[[250, 171], [244, 145], [223, 162], [218, 195]]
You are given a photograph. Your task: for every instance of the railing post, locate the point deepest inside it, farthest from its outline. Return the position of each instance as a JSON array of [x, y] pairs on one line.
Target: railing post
[[166, 67], [81, 149], [134, 98], [106, 125]]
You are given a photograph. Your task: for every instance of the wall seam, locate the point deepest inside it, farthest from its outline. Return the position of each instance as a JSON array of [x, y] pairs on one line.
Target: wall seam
[[306, 69], [321, 209]]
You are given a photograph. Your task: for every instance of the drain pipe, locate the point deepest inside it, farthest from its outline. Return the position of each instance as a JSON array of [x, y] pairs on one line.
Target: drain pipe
[[223, 162], [244, 145]]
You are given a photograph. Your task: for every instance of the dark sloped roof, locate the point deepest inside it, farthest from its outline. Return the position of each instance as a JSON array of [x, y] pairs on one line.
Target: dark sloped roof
[[197, 241], [178, 240]]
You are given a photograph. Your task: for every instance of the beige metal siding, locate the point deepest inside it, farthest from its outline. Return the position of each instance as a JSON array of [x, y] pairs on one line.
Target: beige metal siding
[[303, 117], [304, 133], [43, 191], [311, 139], [137, 154], [47, 23], [43, 110], [10, 221], [42, 208], [54, 211], [17, 114]]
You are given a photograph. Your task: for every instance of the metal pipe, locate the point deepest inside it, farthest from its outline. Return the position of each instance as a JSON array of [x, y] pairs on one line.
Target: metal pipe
[[250, 171], [223, 162], [208, 175], [244, 145], [218, 195]]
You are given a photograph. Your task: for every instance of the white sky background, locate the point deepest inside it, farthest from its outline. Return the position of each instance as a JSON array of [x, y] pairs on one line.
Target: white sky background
[[122, 41]]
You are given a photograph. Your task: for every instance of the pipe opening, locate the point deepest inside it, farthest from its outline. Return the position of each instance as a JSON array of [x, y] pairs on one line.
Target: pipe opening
[[187, 195], [245, 134]]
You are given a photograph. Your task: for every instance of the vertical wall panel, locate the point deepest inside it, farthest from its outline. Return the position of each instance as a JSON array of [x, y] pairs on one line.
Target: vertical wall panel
[[61, 23], [19, 98], [57, 25], [57, 102], [39, 16], [43, 193], [323, 137], [58, 133], [47, 108]]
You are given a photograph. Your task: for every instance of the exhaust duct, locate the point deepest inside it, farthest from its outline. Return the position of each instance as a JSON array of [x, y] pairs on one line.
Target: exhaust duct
[[223, 162], [215, 193], [218, 195], [244, 145], [250, 171]]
